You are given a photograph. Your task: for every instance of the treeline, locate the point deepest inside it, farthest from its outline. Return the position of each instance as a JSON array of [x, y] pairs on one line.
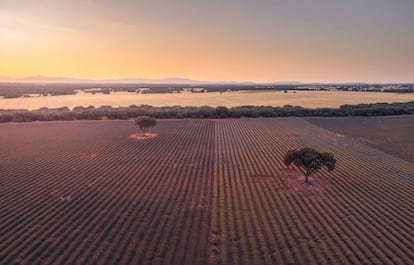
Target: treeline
[[179, 112], [400, 90], [16, 90]]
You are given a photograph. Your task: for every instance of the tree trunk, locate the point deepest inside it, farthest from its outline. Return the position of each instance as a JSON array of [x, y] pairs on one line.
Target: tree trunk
[[307, 174], [307, 178]]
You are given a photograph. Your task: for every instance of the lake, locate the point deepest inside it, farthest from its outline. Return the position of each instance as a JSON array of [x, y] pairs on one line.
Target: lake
[[310, 99]]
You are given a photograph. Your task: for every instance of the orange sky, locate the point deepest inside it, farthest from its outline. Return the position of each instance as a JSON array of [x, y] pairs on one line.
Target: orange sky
[[326, 41]]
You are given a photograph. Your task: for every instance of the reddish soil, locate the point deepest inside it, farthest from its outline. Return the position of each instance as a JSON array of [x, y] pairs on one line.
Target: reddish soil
[[201, 192]]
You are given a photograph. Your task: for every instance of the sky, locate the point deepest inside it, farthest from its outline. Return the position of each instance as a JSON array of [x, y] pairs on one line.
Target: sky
[[226, 40]]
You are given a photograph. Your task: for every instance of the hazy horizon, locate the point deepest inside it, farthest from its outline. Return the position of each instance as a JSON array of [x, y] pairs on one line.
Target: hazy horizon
[[268, 41], [166, 80]]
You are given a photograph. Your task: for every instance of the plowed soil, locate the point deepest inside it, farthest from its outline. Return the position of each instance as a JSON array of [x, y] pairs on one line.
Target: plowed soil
[[200, 192], [391, 134]]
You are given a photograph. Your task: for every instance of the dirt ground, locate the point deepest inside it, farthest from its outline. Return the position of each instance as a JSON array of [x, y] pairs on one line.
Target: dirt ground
[[139, 136], [200, 192], [391, 134]]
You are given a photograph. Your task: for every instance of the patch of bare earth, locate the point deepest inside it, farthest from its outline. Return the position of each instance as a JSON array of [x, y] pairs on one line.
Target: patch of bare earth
[[65, 198], [293, 183], [139, 136]]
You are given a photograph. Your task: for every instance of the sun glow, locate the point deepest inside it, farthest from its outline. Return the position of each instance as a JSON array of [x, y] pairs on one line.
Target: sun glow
[[272, 43]]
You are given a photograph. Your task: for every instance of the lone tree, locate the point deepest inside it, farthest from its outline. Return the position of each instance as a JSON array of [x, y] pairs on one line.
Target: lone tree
[[145, 122], [309, 160]]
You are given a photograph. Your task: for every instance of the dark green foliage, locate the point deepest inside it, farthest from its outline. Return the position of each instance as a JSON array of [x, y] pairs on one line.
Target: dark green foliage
[[179, 112], [221, 112], [309, 160], [145, 122]]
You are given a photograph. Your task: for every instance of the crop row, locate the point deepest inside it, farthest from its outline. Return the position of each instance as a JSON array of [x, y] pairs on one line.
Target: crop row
[[132, 201], [201, 191], [361, 212]]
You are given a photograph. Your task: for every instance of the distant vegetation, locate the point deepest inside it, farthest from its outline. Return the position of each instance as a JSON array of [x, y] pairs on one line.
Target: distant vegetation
[[179, 112], [15, 90]]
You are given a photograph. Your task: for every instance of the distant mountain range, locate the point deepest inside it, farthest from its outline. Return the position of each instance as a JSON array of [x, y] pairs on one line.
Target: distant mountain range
[[46, 79]]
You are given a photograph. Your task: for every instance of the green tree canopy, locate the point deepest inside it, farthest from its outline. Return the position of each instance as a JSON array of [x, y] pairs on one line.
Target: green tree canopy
[[309, 160]]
